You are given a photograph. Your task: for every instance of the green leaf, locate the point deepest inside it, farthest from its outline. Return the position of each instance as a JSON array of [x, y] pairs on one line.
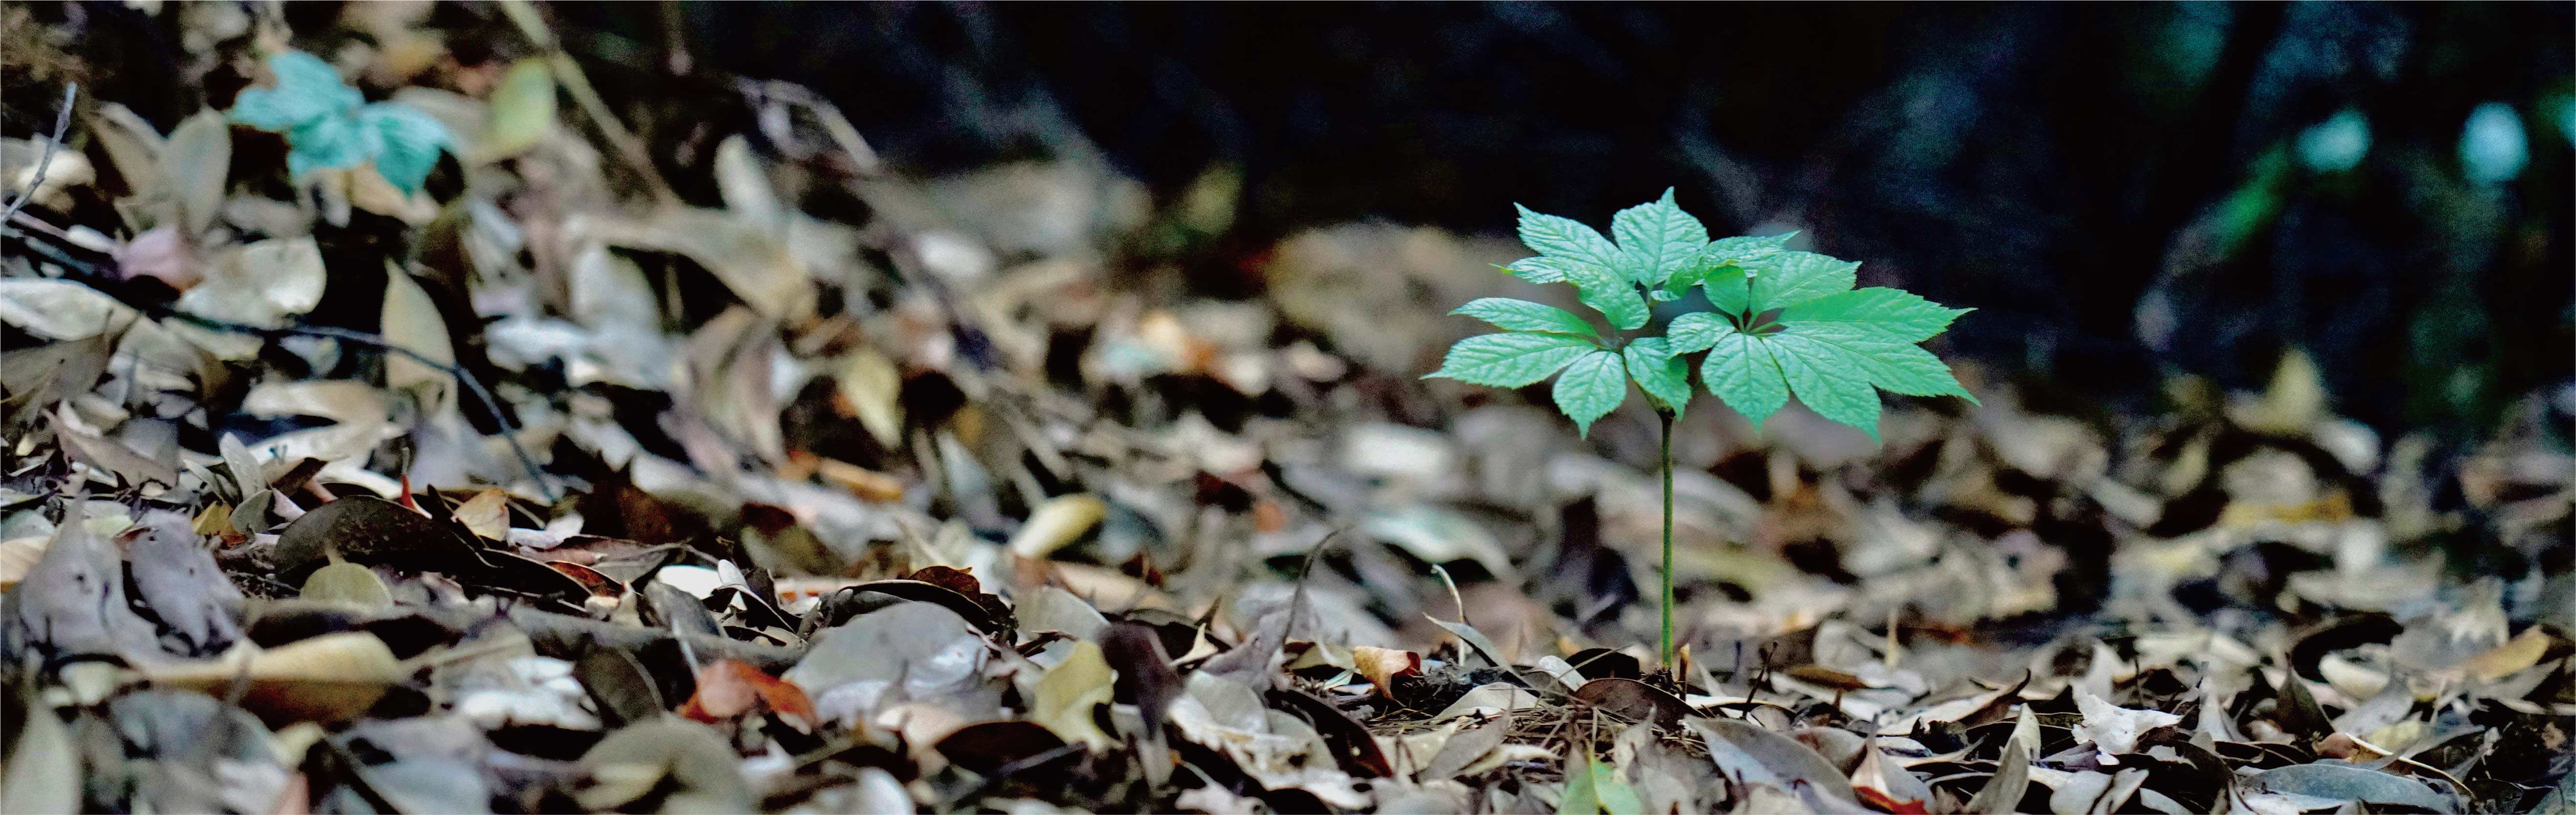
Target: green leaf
[[1576, 254], [1523, 315], [1743, 249], [331, 142], [1826, 381], [326, 128], [1665, 377], [1691, 274], [1578, 797], [1657, 239], [523, 109], [1720, 265], [1566, 238], [1741, 372], [1593, 787], [307, 89], [1590, 388], [1729, 290], [1791, 278], [1606, 292], [1886, 361], [1510, 360], [1540, 269], [1696, 331], [408, 140], [1891, 312]]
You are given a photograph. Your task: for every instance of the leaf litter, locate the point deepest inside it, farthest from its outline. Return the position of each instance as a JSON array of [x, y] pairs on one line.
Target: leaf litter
[[618, 499]]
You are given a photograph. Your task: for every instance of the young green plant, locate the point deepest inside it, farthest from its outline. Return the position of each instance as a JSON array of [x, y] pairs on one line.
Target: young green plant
[[329, 125], [1778, 322]]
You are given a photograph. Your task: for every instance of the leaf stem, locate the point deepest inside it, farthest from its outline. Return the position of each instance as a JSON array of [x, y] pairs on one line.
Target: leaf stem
[[1666, 418]]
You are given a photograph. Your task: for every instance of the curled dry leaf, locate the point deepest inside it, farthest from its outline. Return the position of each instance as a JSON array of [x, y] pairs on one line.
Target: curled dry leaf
[[1055, 523], [259, 284], [60, 309], [1488, 700], [904, 652], [2344, 782], [1069, 694], [369, 530], [487, 515], [640, 759], [1382, 665], [1633, 700], [175, 576], [728, 688], [1886, 786], [1466, 747], [1759, 756], [2004, 789], [2114, 729], [330, 678], [348, 584]]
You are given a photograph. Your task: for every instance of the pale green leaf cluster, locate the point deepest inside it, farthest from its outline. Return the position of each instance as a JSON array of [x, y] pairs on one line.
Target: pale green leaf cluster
[[328, 125], [1780, 323]]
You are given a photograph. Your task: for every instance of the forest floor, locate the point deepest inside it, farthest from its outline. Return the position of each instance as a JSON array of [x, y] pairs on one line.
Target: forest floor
[[550, 457]]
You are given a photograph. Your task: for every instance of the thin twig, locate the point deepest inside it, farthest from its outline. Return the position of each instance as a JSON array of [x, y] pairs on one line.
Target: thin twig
[[87, 272], [62, 124], [491, 404]]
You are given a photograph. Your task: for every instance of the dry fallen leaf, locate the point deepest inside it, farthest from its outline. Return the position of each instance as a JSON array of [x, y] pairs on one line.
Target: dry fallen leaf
[[1055, 523], [728, 688], [1382, 665], [2114, 729], [329, 678], [487, 515], [1069, 693]]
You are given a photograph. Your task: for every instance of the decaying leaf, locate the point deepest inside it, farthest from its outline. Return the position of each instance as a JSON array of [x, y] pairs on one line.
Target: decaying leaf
[[904, 652], [348, 583], [728, 688], [683, 763], [1070, 693], [1056, 523], [176, 577], [1382, 665], [1760, 756], [329, 678], [2114, 729]]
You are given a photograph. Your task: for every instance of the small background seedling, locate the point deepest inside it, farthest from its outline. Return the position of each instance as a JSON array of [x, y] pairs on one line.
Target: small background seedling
[[328, 126]]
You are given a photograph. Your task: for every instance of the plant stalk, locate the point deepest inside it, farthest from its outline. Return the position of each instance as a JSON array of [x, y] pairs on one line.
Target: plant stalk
[[1667, 419]]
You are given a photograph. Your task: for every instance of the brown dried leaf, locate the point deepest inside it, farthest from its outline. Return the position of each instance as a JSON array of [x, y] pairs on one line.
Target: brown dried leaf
[[487, 515], [1383, 665], [728, 688]]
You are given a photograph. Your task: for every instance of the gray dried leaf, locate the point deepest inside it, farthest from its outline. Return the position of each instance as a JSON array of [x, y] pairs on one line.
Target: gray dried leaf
[[903, 652], [43, 772], [1464, 748], [631, 763], [1760, 756], [177, 578], [2004, 790], [199, 153], [73, 602], [2345, 782]]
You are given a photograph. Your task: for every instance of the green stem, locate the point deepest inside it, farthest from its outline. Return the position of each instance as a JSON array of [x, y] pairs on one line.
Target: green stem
[[1667, 418]]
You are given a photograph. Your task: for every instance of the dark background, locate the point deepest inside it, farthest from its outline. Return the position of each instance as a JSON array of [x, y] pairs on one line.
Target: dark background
[[2117, 188], [2048, 164]]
